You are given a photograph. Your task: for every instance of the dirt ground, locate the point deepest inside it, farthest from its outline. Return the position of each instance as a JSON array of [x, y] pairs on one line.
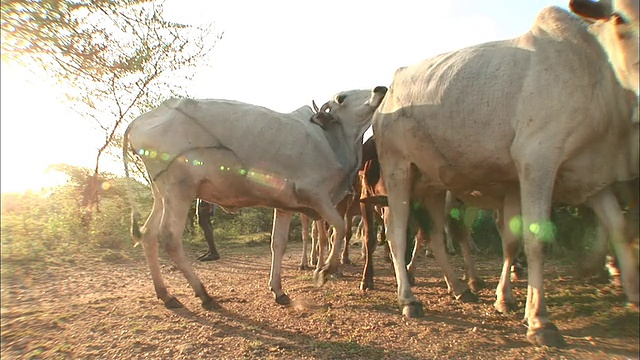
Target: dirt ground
[[107, 310]]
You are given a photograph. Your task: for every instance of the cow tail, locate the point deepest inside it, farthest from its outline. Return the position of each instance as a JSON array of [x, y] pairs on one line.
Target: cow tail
[[136, 233]]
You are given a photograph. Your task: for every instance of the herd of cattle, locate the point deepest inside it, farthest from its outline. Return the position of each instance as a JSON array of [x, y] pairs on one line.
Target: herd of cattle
[[549, 117]]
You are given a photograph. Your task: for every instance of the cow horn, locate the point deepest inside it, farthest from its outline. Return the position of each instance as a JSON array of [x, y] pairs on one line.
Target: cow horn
[[315, 107], [324, 107]]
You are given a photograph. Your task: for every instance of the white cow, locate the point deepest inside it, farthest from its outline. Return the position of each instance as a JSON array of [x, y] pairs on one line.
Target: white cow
[[239, 155], [530, 120]]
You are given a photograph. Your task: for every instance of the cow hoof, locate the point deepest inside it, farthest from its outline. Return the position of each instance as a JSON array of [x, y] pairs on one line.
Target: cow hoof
[[283, 299], [303, 267], [505, 307], [548, 335], [467, 297], [320, 277], [476, 284], [211, 305], [412, 279], [173, 303], [413, 310], [366, 285], [346, 261], [209, 257]]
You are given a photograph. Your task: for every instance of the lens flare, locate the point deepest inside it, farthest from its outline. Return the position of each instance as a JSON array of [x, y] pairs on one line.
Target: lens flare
[[469, 216], [266, 179], [515, 225], [544, 231]]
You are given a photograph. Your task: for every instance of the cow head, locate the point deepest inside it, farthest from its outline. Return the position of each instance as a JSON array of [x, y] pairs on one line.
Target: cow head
[[353, 107], [617, 31]]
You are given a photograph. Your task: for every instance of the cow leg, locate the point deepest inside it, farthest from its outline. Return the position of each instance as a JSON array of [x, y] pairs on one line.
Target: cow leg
[[360, 235], [449, 234], [451, 250], [537, 174], [369, 240], [382, 232], [332, 264], [149, 240], [321, 232], [315, 242], [461, 232], [509, 225], [204, 220], [397, 180], [608, 211], [419, 243], [304, 260], [382, 235], [456, 229], [176, 207], [457, 288], [279, 235], [472, 244], [348, 234]]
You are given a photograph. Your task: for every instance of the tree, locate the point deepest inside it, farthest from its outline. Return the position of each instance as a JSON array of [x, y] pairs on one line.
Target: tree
[[114, 59]]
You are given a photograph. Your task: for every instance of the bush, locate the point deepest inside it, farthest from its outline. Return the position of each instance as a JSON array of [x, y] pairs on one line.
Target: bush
[[54, 224]]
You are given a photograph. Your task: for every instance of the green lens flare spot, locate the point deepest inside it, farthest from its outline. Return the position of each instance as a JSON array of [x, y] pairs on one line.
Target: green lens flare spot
[[222, 167], [243, 172], [534, 228], [455, 213], [469, 216], [515, 225], [153, 154], [545, 231], [165, 157]]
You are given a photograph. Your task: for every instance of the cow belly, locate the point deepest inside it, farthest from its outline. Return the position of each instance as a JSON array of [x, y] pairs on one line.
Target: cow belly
[[455, 160], [224, 179]]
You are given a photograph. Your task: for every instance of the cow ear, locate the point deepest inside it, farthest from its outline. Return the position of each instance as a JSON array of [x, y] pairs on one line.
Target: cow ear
[[340, 98], [377, 95]]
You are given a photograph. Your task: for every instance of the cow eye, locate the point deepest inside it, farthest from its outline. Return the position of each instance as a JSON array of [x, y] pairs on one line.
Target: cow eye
[[618, 19]]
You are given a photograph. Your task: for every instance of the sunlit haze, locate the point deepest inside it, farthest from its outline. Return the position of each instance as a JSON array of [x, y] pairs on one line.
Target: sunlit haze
[[278, 54]]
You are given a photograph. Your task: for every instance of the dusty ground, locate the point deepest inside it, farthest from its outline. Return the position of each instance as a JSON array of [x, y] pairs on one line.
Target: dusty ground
[[107, 310]]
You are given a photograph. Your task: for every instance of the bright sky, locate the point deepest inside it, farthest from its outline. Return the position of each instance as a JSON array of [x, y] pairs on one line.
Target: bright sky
[[279, 54]]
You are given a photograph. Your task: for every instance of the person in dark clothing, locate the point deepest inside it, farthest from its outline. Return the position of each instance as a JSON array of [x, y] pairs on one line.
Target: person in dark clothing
[[204, 212]]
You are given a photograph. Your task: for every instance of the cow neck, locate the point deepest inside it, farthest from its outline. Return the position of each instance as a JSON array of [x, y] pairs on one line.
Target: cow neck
[[344, 145]]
